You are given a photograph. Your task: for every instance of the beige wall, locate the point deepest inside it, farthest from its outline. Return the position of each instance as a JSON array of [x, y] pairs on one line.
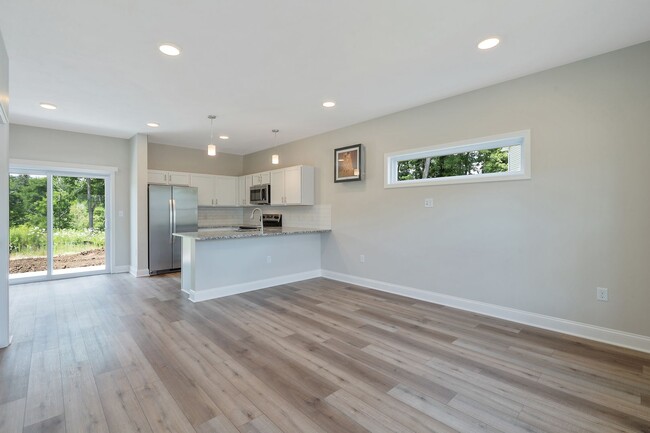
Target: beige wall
[[42, 144], [541, 245], [175, 158]]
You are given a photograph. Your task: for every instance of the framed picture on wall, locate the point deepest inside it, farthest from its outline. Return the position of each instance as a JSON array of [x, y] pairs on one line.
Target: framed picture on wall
[[347, 163]]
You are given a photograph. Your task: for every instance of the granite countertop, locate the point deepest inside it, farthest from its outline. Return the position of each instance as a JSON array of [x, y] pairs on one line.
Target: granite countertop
[[232, 233]]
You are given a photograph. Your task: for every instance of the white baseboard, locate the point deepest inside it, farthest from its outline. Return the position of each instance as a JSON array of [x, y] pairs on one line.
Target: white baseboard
[[591, 332], [121, 269], [234, 289], [138, 272]]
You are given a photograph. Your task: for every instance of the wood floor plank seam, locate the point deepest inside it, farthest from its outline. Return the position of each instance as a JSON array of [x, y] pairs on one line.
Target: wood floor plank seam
[[313, 356]]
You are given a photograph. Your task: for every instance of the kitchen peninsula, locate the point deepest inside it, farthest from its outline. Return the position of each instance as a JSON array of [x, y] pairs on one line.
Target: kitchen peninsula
[[228, 261]]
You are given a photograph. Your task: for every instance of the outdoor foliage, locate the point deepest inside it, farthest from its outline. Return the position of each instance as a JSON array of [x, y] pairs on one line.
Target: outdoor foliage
[[33, 240], [458, 164], [78, 213]]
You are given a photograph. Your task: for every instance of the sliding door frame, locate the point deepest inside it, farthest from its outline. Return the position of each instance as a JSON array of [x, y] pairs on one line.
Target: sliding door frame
[[51, 169]]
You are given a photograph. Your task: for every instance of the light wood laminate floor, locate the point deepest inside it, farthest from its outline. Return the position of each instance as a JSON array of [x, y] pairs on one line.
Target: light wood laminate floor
[[117, 354]]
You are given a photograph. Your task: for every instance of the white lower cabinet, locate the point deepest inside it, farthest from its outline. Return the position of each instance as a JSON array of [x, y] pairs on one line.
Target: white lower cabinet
[[216, 190], [292, 186]]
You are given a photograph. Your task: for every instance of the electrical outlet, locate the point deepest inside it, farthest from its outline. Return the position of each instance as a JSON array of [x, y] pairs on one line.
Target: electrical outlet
[[602, 294], [120, 213], [428, 202], [268, 259], [362, 258]]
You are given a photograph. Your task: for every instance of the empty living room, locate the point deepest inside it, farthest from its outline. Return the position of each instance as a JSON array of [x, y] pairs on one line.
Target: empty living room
[[334, 216]]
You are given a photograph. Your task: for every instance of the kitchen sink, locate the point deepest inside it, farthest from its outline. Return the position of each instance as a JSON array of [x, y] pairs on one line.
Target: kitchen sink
[[244, 228]]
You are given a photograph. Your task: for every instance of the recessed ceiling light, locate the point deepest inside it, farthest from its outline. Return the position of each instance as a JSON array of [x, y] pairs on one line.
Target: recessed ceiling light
[[48, 106], [153, 124], [488, 43], [169, 49], [224, 137], [329, 104]]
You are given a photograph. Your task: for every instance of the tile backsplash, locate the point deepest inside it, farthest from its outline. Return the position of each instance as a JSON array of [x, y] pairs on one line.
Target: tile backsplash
[[317, 216], [216, 216]]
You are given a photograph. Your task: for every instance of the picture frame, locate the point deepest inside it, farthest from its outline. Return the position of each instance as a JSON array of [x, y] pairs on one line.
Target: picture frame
[[348, 163]]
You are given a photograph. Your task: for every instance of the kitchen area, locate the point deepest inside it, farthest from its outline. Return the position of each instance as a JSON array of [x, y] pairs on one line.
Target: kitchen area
[[232, 234]]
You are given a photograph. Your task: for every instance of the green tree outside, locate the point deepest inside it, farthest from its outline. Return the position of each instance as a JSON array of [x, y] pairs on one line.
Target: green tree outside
[[458, 164], [78, 213]]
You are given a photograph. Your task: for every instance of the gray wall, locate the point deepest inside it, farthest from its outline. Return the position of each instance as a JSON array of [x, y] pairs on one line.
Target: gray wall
[[175, 158], [541, 245], [42, 144]]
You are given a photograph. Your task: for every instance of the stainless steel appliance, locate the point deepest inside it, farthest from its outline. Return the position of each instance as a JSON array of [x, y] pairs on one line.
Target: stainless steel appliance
[[260, 194], [272, 220], [172, 209]]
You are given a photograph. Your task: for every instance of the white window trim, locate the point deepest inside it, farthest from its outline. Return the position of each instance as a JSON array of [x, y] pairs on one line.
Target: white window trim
[[392, 159], [61, 167]]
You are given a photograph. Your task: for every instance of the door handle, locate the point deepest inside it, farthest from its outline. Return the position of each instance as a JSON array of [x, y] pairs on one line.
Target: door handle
[[171, 219], [174, 208]]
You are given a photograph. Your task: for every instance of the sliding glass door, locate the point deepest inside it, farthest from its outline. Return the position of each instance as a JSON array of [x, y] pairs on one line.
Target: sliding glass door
[[79, 230], [57, 224], [28, 233]]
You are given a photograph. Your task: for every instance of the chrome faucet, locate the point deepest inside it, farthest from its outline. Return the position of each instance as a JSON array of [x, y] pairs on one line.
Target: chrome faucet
[[261, 221]]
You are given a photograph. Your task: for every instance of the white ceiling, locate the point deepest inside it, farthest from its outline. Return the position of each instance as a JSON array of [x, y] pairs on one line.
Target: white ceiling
[[260, 64]]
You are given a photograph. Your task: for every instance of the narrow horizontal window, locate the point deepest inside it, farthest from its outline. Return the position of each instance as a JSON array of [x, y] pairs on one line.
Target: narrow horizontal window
[[504, 157]]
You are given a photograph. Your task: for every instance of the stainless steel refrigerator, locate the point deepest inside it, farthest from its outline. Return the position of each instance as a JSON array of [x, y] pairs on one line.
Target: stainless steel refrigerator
[[172, 209]]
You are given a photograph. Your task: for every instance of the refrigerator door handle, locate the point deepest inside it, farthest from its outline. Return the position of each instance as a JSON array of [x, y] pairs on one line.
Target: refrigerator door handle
[[171, 219], [174, 208]]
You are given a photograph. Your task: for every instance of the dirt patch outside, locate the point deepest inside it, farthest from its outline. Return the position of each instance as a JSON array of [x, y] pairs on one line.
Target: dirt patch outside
[[62, 261]]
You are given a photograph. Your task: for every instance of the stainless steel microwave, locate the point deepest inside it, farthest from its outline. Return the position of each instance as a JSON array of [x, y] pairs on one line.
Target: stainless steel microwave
[[260, 194]]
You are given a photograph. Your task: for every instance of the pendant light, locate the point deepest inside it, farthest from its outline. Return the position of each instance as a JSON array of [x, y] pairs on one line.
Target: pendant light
[[212, 149], [275, 159]]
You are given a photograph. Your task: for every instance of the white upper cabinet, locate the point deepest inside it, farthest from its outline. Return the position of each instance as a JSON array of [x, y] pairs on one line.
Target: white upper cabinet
[[243, 191], [216, 190], [277, 187], [289, 186], [226, 191], [299, 185], [292, 186], [163, 177], [261, 178], [206, 186]]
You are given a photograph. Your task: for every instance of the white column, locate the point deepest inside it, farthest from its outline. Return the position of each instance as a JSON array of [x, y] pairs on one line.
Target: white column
[[4, 196], [139, 217]]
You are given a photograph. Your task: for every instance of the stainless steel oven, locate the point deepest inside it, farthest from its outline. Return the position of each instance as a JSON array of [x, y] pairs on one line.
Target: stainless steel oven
[[260, 194]]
